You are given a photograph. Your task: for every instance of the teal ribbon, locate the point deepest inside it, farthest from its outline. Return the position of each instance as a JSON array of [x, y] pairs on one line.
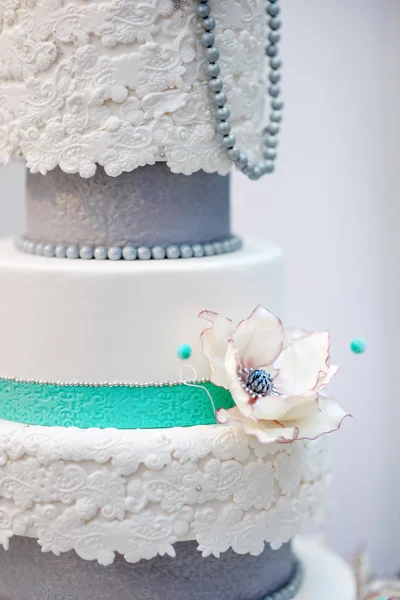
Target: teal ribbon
[[121, 407]]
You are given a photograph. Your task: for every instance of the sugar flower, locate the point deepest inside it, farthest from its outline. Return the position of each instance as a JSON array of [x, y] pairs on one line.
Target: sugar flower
[[275, 376]]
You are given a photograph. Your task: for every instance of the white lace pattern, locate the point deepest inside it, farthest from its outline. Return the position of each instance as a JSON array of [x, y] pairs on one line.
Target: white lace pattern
[[122, 84], [139, 492]]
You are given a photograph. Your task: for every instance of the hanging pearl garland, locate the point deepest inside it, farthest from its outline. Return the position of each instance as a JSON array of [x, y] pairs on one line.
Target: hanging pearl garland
[[270, 140]]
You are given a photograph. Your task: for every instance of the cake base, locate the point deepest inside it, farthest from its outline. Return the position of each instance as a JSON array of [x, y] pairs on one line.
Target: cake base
[[326, 576]]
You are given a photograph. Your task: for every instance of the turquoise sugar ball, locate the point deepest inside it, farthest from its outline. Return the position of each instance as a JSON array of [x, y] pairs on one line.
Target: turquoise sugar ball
[[184, 351], [358, 346]]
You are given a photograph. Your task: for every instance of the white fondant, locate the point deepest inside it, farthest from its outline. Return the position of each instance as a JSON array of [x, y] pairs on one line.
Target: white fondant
[[86, 82], [139, 492], [326, 575], [93, 321]]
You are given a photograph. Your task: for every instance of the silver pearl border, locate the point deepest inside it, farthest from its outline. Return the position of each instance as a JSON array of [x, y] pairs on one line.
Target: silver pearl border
[[129, 253], [150, 384]]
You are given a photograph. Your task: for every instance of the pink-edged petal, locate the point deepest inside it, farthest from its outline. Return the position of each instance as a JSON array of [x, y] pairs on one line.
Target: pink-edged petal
[[291, 334], [232, 365], [214, 340], [285, 408], [267, 432], [300, 364], [328, 419], [259, 339], [325, 378], [304, 407]]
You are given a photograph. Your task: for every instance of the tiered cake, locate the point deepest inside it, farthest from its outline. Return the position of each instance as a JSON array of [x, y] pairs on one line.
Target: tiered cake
[[148, 423]]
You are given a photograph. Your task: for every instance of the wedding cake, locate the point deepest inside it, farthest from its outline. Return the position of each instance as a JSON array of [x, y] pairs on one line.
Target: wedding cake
[[160, 430]]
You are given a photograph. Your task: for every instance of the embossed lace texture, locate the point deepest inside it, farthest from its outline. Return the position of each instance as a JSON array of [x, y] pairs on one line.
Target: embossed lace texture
[[137, 493], [122, 83], [122, 407], [148, 207], [187, 576]]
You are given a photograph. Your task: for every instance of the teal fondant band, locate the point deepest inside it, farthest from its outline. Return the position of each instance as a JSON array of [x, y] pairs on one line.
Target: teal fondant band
[[121, 407]]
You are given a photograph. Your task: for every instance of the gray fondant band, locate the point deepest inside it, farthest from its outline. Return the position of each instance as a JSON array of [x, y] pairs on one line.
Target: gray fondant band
[[149, 207], [129, 253], [189, 575]]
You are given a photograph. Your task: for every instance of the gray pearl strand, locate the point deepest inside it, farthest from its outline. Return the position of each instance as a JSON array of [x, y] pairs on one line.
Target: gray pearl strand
[[129, 253], [270, 141]]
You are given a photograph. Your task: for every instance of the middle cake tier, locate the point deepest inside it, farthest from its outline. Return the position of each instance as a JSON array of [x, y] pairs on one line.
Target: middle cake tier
[[105, 322]]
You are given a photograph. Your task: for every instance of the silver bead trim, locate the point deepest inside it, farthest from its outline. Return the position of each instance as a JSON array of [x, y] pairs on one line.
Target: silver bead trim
[[103, 384], [220, 100], [129, 253]]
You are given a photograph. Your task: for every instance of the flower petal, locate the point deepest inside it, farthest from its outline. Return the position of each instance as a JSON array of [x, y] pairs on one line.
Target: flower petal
[[285, 408], [291, 334], [214, 340], [266, 432], [259, 339], [300, 364], [232, 365], [325, 378], [328, 419]]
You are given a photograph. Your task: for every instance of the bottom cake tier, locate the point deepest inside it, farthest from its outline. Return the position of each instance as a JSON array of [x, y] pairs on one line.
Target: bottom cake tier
[[204, 512], [274, 575], [140, 492], [186, 576]]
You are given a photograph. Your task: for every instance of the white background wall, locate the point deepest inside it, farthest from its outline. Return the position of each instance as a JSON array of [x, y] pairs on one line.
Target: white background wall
[[334, 205]]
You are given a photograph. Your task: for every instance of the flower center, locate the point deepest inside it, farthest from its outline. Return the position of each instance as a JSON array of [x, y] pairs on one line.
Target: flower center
[[257, 383]]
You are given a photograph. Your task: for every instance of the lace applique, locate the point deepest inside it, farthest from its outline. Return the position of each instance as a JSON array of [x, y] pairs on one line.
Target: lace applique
[[99, 492], [121, 84]]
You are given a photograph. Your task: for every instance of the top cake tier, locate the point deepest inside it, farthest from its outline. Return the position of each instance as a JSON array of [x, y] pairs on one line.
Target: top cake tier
[[122, 83]]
